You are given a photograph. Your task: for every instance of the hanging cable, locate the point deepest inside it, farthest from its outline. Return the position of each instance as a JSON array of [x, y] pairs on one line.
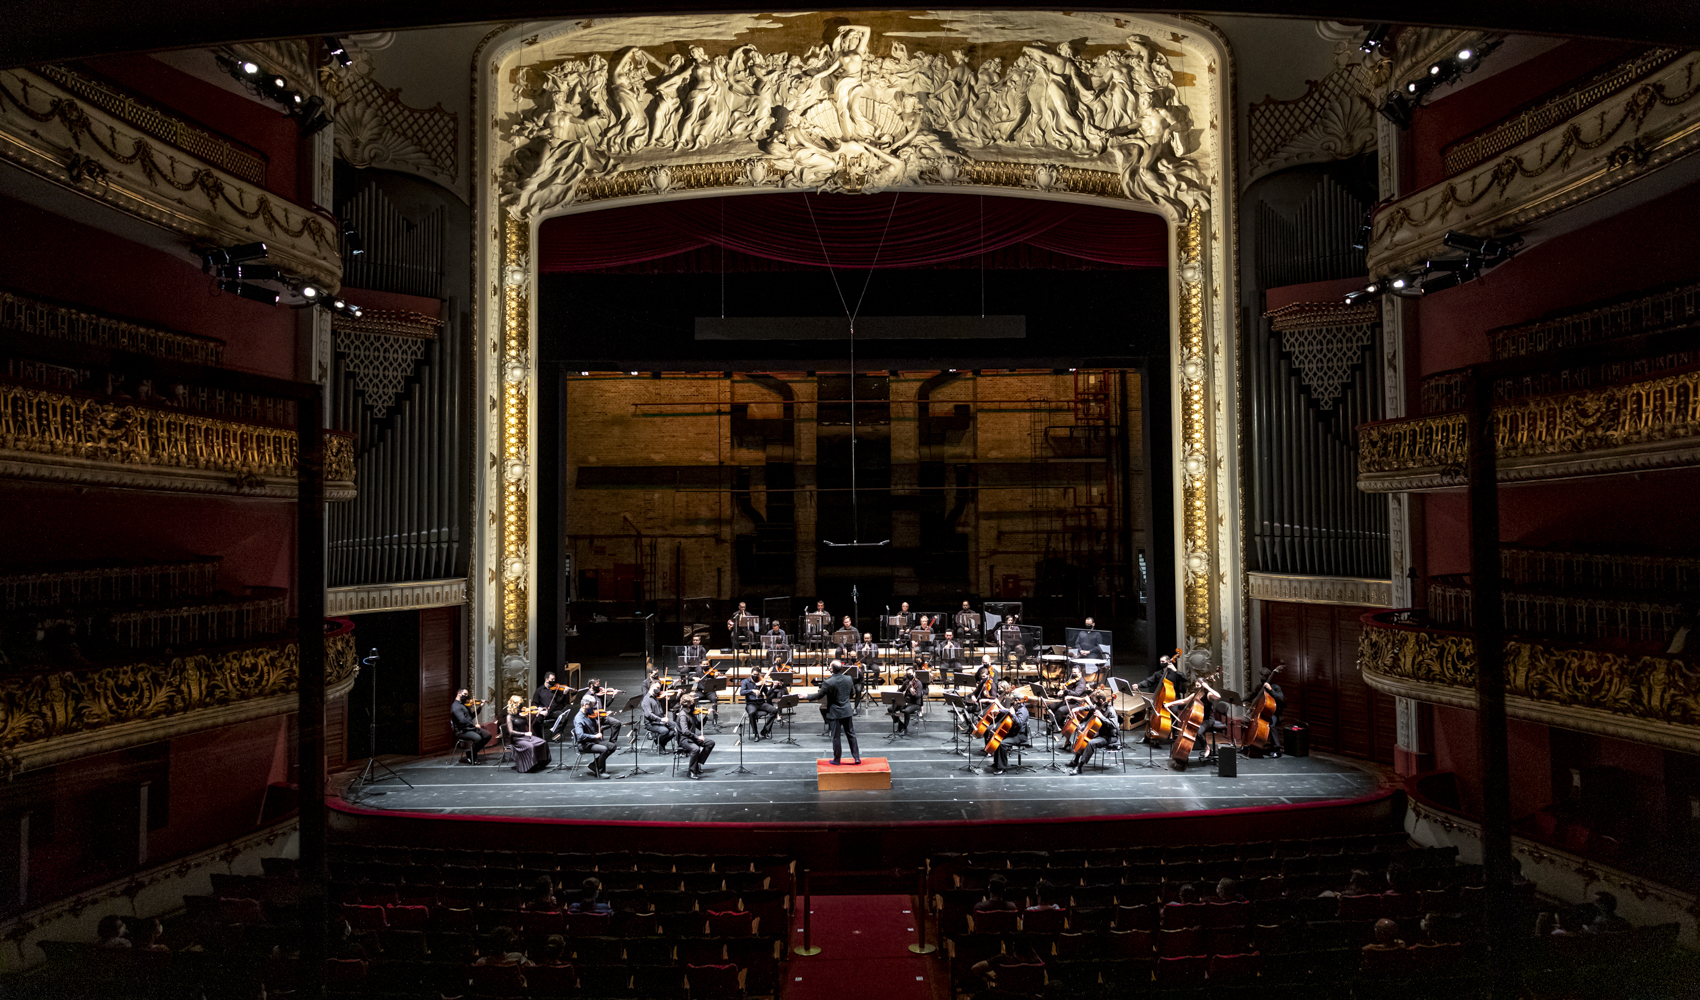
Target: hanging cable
[[855, 505]]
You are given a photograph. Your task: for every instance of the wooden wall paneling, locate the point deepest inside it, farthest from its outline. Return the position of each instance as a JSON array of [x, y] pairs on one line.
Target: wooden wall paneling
[[438, 648], [336, 733], [1320, 672]]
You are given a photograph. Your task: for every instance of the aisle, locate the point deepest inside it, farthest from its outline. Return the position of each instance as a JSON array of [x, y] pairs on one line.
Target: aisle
[[864, 942]]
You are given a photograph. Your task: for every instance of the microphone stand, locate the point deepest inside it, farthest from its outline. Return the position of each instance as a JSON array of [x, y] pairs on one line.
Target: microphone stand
[[368, 775]]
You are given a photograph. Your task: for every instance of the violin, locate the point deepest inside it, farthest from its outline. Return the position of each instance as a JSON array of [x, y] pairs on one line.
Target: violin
[[557, 687], [1259, 732]]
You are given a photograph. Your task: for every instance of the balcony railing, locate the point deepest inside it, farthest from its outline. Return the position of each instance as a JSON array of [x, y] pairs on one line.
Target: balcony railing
[[1645, 124], [1649, 424], [76, 144], [47, 716], [1651, 699], [59, 437]]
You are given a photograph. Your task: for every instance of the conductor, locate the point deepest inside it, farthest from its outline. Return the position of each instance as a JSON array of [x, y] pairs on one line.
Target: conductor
[[839, 694]]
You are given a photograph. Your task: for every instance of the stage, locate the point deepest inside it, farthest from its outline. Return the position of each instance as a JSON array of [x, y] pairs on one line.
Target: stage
[[928, 785]]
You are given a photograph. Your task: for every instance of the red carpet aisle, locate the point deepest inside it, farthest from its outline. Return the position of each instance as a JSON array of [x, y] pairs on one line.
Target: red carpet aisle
[[864, 942]]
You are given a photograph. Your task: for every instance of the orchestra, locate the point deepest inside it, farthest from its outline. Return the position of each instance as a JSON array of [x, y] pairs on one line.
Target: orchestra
[[1064, 700]]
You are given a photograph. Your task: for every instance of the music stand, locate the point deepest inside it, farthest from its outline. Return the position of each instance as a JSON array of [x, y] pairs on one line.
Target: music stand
[[741, 769], [787, 701], [894, 700], [633, 704], [636, 751]]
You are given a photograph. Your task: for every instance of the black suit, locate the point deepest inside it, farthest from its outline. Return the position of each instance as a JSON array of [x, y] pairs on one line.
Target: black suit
[[587, 734], [655, 720], [688, 725], [465, 723], [839, 694]]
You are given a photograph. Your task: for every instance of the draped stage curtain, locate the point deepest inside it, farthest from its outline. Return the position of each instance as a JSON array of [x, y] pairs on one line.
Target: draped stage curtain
[[855, 231]]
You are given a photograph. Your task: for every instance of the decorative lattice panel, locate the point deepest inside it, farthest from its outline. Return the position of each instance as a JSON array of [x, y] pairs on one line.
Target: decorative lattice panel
[[1325, 342]]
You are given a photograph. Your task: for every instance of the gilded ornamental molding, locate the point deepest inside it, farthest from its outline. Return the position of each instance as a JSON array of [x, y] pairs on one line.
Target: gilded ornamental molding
[[35, 317], [1350, 591], [1650, 699], [1649, 424], [56, 437], [1130, 110], [395, 596], [47, 131], [1647, 125], [51, 716]]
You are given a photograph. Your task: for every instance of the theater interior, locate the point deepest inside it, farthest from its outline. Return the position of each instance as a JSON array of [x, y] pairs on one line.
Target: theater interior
[[1233, 470]]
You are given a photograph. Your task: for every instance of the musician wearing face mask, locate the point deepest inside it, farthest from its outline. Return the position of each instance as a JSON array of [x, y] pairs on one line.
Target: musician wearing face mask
[[1108, 735], [655, 720], [1017, 708], [1078, 693], [590, 736], [687, 723], [552, 698], [914, 693], [463, 716], [605, 699], [756, 707]]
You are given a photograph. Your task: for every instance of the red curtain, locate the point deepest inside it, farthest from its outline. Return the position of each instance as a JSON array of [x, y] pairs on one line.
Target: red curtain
[[852, 231]]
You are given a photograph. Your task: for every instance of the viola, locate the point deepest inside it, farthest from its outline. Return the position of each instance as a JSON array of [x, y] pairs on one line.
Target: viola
[[1259, 730]]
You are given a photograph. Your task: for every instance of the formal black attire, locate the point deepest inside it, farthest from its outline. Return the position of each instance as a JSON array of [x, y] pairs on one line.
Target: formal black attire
[[1017, 733], [587, 734], [1080, 689], [551, 701], [1106, 736], [688, 725], [839, 694], [655, 720], [914, 693], [756, 707], [610, 725], [531, 753], [1155, 680], [1275, 718], [465, 723]]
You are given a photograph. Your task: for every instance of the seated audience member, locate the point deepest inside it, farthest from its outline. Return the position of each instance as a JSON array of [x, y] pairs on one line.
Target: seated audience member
[[112, 933], [343, 944], [502, 948], [1606, 920], [995, 888], [542, 896], [1386, 936], [1187, 895], [590, 900], [1043, 890], [988, 970], [1570, 922], [1228, 891], [149, 938], [554, 951], [1362, 884]]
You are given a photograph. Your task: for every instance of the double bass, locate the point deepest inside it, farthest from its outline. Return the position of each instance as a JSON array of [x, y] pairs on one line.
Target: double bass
[[1189, 725], [1161, 727], [1259, 728]]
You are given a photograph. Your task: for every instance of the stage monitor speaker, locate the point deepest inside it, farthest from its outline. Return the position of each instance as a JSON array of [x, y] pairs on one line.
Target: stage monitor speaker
[[1227, 763], [1296, 742]]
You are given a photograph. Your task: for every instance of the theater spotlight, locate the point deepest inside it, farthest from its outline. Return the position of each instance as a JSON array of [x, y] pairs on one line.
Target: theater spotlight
[[351, 241], [1376, 39], [241, 253], [1397, 109], [252, 293], [311, 115], [1489, 248], [250, 272], [338, 51]]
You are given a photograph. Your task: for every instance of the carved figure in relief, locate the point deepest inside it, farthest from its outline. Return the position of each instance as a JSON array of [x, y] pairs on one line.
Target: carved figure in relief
[[839, 117]]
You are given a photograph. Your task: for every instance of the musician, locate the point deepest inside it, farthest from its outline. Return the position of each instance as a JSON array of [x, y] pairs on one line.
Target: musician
[[1166, 670], [707, 692], [949, 652], [914, 693], [868, 653], [908, 616], [754, 693], [1211, 724], [818, 619], [1009, 639], [1089, 642], [655, 716], [605, 700], [742, 625], [1104, 711], [1078, 693], [839, 694], [846, 644], [588, 733], [464, 718], [1280, 697], [984, 686], [550, 697], [530, 752], [777, 644], [921, 645], [967, 620], [687, 724], [696, 654], [1017, 708]]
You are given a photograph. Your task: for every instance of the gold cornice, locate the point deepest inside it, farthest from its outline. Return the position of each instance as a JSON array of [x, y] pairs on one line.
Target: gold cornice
[[45, 131], [1644, 127], [1650, 699]]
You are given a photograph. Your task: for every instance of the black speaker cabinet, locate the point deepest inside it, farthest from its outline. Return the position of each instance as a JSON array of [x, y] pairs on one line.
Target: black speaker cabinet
[[1227, 763]]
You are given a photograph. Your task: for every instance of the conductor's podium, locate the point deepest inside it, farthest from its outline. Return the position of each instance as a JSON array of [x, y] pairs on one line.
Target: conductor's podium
[[871, 773]]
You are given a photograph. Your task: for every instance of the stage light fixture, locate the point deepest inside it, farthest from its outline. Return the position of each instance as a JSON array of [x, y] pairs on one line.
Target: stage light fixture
[[338, 51], [1487, 247], [351, 241], [1442, 280], [1465, 55], [250, 69], [1400, 283], [1377, 37], [633, 374], [250, 272], [1397, 110], [584, 373], [239, 254], [310, 292], [311, 116], [252, 293], [1447, 264]]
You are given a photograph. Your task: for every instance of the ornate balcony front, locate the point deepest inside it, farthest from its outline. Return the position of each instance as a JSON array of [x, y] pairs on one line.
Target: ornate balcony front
[[51, 436], [90, 147], [1648, 698], [1648, 123], [1647, 424], [48, 716]]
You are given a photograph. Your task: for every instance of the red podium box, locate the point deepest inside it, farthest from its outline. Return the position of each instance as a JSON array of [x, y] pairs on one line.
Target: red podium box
[[872, 772]]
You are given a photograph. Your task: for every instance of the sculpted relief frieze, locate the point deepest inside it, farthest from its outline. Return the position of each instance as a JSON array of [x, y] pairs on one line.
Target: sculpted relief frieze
[[854, 113]]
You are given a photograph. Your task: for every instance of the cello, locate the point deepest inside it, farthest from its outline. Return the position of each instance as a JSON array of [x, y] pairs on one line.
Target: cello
[[996, 735], [1259, 729]]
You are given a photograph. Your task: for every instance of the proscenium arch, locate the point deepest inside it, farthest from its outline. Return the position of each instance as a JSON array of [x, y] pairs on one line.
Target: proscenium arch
[[583, 168]]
